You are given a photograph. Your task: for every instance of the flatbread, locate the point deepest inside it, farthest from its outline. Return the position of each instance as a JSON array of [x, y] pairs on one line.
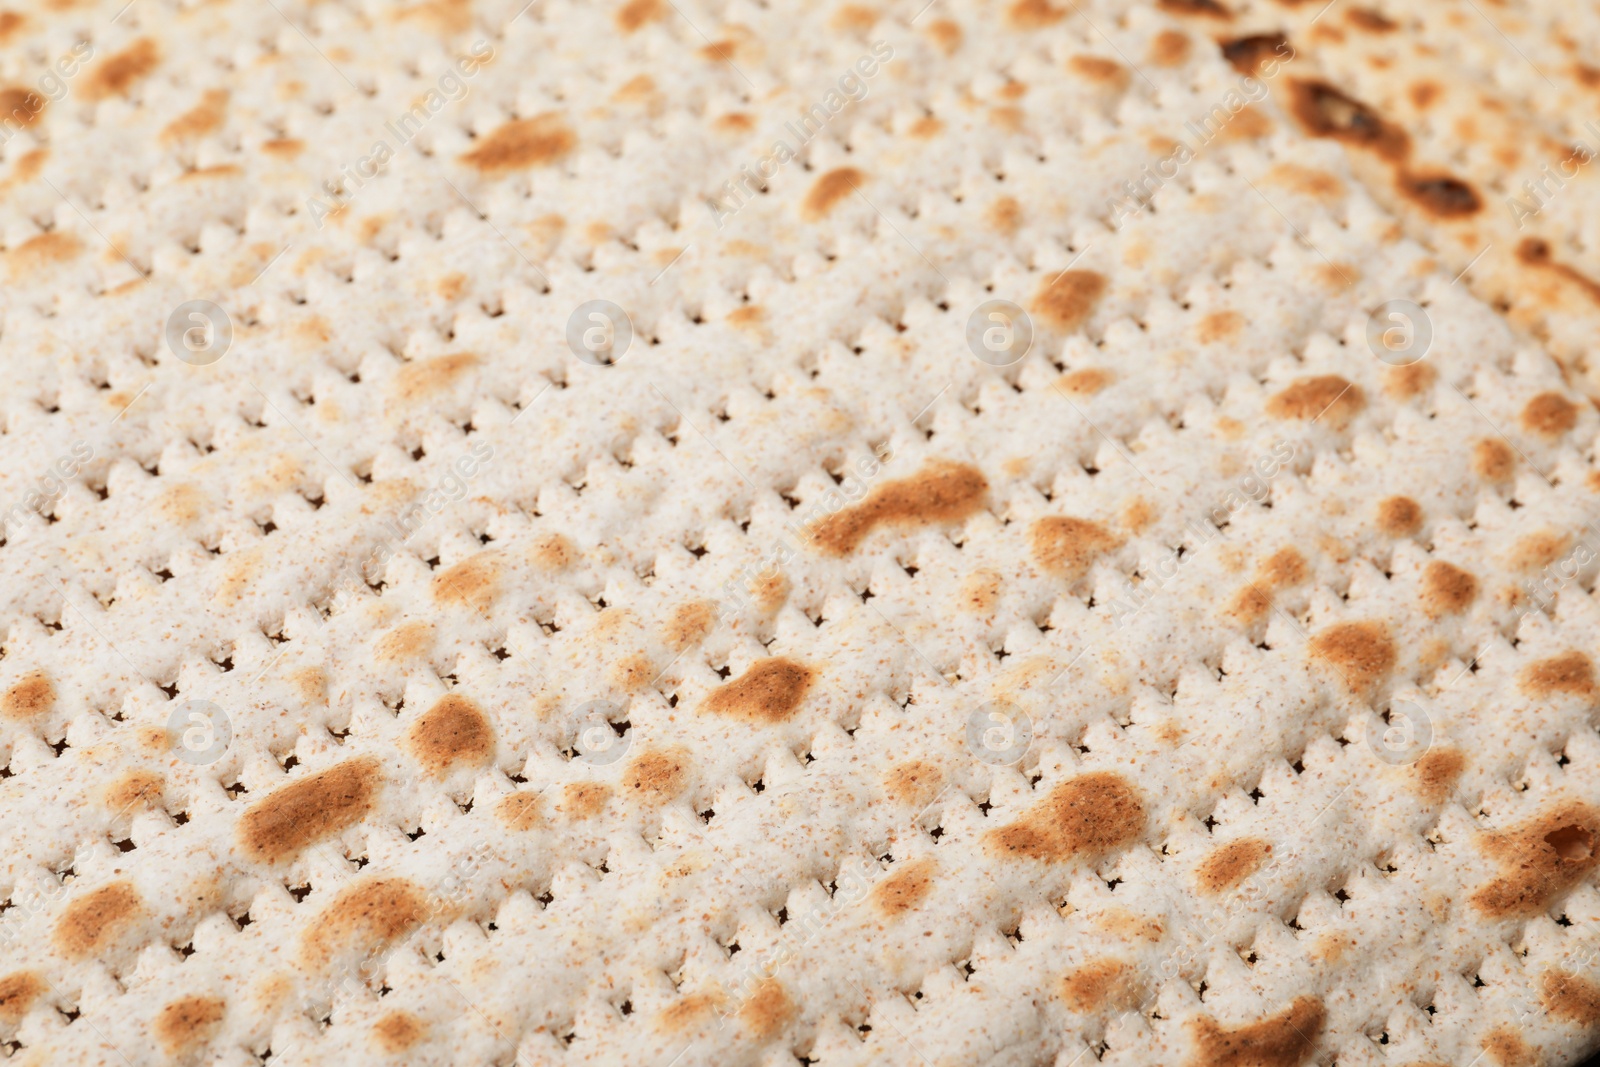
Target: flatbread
[[649, 533]]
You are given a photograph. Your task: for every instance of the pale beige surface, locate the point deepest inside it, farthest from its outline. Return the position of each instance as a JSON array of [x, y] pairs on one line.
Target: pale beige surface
[[403, 855]]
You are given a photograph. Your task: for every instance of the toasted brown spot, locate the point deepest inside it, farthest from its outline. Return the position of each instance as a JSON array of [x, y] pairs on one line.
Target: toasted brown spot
[[398, 1031], [187, 1024], [687, 1011], [1004, 215], [768, 1010], [1090, 815], [18, 991], [1169, 49], [523, 143], [689, 624], [1250, 604], [906, 888], [1066, 299], [583, 800], [91, 922], [657, 775], [135, 788], [735, 122], [639, 88], [768, 693], [521, 811], [1284, 568], [472, 583], [1085, 381], [746, 316], [828, 190], [1067, 547], [1362, 653], [1424, 93], [205, 117], [925, 128], [1571, 997], [1098, 69], [30, 697], [1033, 14], [1540, 861], [1102, 984], [941, 492], [1218, 326], [283, 147], [1435, 773], [1326, 112], [946, 36], [1506, 1048], [117, 73], [770, 589], [451, 285], [1365, 18], [1535, 252], [1570, 672], [631, 673], [1138, 514], [367, 916], [20, 108], [1247, 125], [553, 552], [1011, 119], [1247, 54], [1550, 414], [853, 17], [1308, 181], [10, 23], [454, 731], [1399, 516], [914, 782], [1230, 864], [288, 819], [1538, 550], [1447, 589], [1443, 195], [1207, 8], [408, 641], [425, 377], [1286, 1039], [43, 249], [1409, 381], [1493, 459], [1325, 396], [636, 14]]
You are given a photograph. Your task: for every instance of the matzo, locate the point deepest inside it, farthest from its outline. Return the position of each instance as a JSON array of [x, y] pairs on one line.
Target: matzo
[[654, 533]]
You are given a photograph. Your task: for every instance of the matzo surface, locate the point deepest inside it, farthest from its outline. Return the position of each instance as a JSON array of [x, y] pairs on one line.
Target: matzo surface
[[390, 679]]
